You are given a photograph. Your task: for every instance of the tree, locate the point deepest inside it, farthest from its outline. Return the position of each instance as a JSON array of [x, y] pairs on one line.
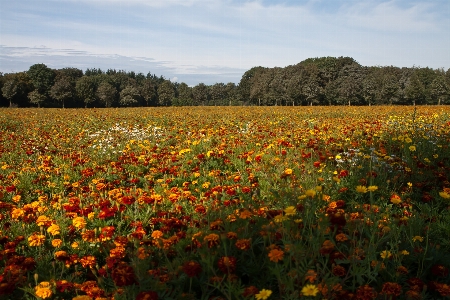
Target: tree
[[440, 90], [350, 83], [200, 94], [390, 89], [184, 95], [246, 83], [106, 93], [36, 98], [63, 89], [166, 93], [42, 78], [148, 91], [414, 90], [86, 88], [217, 93], [130, 96], [9, 90]]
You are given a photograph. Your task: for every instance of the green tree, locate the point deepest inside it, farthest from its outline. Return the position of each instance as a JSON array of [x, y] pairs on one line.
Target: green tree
[[350, 83], [184, 95], [166, 93], [245, 84], [9, 90], [148, 91], [36, 98], [217, 93], [86, 88], [63, 89], [414, 90], [107, 94], [130, 96], [390, 92], [440, 90], [200, 94], [42, 78]]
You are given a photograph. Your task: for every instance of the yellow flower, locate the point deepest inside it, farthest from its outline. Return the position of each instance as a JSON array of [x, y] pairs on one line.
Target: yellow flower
[[408, 140], [43, 290], [54, 229], [417, 238], [412, 148], [263, 294], [310, 193], [288, 171], [74, 245], [79, 222], [372, 188], [310, 290], [361, 189], [404, 252], [290, 211], [385, 254], [36, 240], [444, 195], [280, 218]]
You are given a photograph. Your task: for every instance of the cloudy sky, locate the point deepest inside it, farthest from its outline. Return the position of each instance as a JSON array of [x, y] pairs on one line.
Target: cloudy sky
[[213, 41]]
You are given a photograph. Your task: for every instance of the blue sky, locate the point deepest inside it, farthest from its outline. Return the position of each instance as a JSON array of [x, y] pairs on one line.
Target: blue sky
[[213, 41]]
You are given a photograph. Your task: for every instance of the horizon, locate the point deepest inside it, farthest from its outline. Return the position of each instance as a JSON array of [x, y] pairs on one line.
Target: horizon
[[209, 41]]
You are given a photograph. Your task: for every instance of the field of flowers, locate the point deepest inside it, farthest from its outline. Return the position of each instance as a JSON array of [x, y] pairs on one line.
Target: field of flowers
[[225, 203]]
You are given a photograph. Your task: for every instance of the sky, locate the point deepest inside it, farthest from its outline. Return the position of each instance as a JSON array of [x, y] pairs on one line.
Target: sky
[[212, 41]]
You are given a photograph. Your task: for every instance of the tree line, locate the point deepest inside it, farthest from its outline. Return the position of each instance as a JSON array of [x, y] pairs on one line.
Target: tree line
[[314, 81]]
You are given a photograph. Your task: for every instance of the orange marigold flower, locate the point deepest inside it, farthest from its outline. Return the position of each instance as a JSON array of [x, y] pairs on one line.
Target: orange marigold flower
[[88, 261], [56, 243], [245, 214], [250, 291], [366, 292], [311, 276], [243, 244], [43, 220], [391, 289], [36, 240], [327, 247], [88, 236], [341, 237], [148, 295], [395, 199], [232, 235], [212, 240], [276, 255], [157, 234]]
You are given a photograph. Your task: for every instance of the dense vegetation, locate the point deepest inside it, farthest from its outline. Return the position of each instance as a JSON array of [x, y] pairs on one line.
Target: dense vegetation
[[225, 203], [316, 81]]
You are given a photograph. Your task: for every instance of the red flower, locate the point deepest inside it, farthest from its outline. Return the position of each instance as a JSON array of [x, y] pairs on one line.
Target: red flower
[[192, 268], [366, 292], [227, 264], [148, 295], [123, 274]]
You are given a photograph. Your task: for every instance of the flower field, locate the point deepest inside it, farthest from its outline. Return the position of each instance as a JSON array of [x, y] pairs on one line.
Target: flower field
[[225, 203]]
